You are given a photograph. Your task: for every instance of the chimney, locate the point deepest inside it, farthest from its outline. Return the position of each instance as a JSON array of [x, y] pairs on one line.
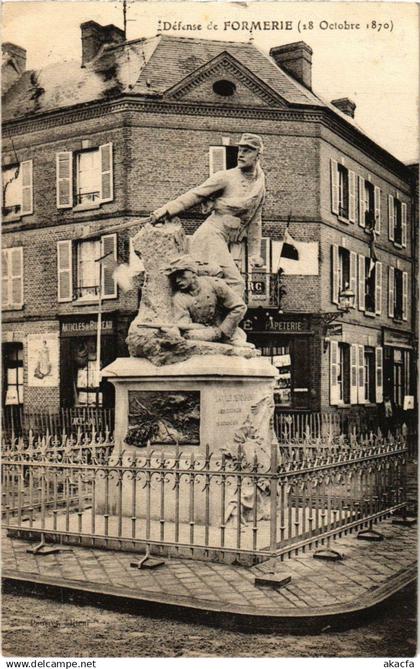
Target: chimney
[[95, 36], [13, 65], [296, 60], [345, 105]]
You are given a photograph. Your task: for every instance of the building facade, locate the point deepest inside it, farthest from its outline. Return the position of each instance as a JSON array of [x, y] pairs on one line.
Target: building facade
[[94, 144]]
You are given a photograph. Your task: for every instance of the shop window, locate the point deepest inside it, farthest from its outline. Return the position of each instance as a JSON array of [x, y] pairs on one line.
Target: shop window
[[369, 375], [398, 377], [87, 380], [281, 358], [222, 158], [13, 375], [17, 190], [397, 221], [86, 268], [85, 178]]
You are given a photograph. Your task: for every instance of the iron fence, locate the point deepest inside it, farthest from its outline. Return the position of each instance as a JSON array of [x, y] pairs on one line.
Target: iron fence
[[18, 422], [239, 504]]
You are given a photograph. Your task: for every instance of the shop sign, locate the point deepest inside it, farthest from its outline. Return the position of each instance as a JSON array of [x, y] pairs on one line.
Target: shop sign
[[89, 326], [275, 323], [43, 359], [397, 339]]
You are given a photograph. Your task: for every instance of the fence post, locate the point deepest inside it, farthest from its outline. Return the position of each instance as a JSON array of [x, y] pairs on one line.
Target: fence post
[[273, 497]]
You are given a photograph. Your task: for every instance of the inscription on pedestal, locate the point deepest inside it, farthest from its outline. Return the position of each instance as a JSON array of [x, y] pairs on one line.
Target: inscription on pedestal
[[163, 417], [230, 407]]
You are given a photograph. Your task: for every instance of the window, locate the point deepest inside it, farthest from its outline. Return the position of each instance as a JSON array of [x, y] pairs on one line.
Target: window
[[398, 294], [84, 178], [86, 267], [356, 374], [222, 158], [17, 190], [12, 278], [369, 375], [13, 374], [224, 87], [343, 271], [397, 221], [370, 286], [343, 196], [87, 377]]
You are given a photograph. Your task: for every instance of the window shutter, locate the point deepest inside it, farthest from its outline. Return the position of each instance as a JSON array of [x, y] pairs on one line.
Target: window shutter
[[16, 277], [353, 374], [378, 288], [108, 283], [405, 296], [362, 203], [334, 187], [362, 283], [217, 159], [391, 291], [353, 276], [334, 363], [403, 224], [107, 178], [361, 395], [352, 196], [391, 218], [64, 172], [64, 271], [335, 273], [377, 210], [407, 375], [379, 374], [27, 189], [5, 277]]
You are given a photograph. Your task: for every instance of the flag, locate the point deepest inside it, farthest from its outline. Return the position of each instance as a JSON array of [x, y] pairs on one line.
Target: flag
[[296, 257], [370, 230]]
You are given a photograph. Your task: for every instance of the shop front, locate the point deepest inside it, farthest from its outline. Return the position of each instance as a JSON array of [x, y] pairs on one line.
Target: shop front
[[398, 361], [287, 340], [83, 353]]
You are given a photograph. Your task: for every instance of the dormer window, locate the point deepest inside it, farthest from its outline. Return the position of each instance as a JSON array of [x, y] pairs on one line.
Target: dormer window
[[224, 88]]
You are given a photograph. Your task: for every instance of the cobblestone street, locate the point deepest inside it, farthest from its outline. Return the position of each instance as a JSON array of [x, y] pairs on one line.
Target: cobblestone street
[[33, 626]]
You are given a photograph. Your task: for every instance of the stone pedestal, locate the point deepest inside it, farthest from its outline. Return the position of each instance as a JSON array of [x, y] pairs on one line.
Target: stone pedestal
[[222, 391]]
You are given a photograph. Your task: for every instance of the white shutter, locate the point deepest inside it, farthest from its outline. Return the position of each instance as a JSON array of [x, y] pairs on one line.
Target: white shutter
[[217, 159], [335, 274], [352, 196], [64, 174], [353, 374], [405, 296], [362, 203], [379, 374], [64, 271], [377, 210], [107, 178], [362, 283], [391, 224], [5, 281], [361, 395], [334, 187], [27, 189], [108, 283], [378, 288], [353, 276], [391, 291], [403, 224], [16, 277], [334, 365], [265, 255]]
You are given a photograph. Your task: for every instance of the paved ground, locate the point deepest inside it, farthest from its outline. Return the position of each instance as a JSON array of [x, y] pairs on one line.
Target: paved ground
[[45, 628], [319, 590]]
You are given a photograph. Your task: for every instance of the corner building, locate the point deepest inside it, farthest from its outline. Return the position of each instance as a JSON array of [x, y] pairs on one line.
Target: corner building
[[105, 140]]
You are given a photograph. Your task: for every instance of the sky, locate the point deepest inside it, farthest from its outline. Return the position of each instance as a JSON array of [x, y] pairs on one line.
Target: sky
[[375, 62]]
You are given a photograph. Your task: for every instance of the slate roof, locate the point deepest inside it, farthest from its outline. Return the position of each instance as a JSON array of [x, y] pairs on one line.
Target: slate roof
[[144, 67]]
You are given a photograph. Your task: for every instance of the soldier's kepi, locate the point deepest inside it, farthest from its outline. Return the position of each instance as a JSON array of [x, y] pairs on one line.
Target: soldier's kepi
[[235, 198]]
